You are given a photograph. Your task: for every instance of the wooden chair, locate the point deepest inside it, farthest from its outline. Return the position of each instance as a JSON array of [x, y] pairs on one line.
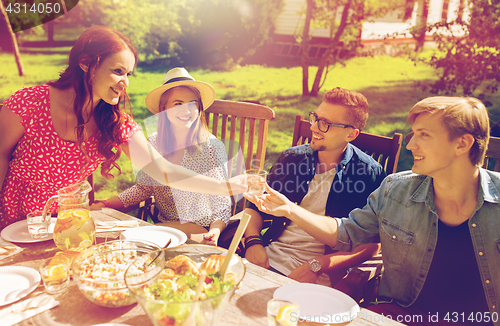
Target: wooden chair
[[492, 160], [244, 124], [384, 150]]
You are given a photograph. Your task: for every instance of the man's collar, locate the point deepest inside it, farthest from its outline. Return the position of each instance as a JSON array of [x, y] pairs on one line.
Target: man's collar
[[487, 189], [348, 153], [346, 158]]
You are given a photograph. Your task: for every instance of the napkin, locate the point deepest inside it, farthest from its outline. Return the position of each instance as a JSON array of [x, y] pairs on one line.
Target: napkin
[[104, 226], [26, 309], [8, 249]]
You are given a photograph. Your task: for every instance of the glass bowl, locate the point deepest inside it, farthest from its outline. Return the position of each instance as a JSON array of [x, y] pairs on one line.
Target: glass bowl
[[169, 309], [99, 271]]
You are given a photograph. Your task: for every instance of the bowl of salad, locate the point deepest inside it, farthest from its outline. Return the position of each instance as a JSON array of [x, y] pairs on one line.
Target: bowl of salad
[[99, 271], [188, 289]]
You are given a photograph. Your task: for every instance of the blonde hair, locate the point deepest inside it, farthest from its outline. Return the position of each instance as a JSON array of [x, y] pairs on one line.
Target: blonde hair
[[199, 132], [461, 115]]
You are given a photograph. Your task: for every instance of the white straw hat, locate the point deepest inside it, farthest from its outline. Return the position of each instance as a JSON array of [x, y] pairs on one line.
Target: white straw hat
[[179, 77]]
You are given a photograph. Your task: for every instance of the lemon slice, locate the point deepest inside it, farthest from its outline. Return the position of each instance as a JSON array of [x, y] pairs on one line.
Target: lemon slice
[[65, 216], [57, 272], [81, 214], [287, 315], [85, 244], [84, 236]]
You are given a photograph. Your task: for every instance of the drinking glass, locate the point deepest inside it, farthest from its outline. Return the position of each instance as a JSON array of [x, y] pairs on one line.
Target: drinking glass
[[256, 181], [55, 274], [38, 226], [282, 313]]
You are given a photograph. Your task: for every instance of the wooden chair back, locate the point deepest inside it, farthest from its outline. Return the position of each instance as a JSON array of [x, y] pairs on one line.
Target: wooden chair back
[[492, 160], [243, 125], [384, 150]]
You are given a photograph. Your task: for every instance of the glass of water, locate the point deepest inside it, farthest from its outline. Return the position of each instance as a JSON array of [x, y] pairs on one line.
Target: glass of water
[[38, 225], [256, 181], [55, 274], [282, 313]]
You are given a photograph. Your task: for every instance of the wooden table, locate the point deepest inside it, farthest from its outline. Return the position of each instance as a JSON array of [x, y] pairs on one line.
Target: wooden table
[[247, 307]]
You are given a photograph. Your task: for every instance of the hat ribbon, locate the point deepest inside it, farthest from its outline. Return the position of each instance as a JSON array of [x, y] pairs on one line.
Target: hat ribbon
[[173, 80]]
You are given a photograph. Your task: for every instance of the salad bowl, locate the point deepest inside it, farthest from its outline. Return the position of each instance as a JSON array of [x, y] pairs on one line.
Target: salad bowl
[[99, 271], [179, 298]]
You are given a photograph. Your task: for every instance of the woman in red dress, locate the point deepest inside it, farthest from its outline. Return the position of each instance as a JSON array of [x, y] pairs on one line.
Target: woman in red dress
[[57, 134]]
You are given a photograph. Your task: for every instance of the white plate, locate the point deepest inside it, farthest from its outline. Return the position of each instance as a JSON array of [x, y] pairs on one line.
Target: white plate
[[18, 232], [16, 282], [156, 234], [319, 303]]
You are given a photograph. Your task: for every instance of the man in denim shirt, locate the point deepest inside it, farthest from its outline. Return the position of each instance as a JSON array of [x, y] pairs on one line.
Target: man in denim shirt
[[439, 226], [328, 177]]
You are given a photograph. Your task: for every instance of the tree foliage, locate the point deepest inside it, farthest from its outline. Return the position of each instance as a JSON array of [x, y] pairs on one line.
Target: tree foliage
[[469, 50], [344, 19], [210, 33], [225, 32], [145, 22]]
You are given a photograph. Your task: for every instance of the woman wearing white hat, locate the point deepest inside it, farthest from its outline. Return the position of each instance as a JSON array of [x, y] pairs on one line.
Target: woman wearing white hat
[[183, 138]]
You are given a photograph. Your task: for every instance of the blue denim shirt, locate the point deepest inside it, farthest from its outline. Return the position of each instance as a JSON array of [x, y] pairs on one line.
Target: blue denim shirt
[[401, 215], [358, 175]]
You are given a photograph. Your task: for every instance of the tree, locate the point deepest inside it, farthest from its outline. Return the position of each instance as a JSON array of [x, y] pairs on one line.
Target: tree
[[469, 50], [344, 32], [209, 33], [4, 20], [145, 22], [224, 32], [421, 28]]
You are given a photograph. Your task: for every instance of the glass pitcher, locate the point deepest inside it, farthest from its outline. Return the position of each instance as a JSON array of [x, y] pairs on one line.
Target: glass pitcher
[[75, 228]]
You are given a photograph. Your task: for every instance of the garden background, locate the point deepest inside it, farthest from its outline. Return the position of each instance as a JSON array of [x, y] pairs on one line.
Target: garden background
[[391, 84]]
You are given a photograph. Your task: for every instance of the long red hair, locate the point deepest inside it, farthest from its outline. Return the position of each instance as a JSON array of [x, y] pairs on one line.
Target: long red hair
[[91, 48]]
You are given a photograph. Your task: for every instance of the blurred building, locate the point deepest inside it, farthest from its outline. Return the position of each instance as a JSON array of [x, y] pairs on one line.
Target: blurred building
[[384, 34]]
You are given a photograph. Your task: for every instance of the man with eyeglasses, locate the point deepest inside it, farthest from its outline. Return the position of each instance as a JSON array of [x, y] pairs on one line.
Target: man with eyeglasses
[[439, 224], [328, 177]]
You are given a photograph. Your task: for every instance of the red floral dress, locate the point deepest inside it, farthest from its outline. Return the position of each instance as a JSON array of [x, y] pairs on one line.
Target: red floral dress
[[42, 162]]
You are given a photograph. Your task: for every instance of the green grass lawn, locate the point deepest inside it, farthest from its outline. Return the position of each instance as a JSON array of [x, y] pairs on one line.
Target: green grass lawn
[[389, 83]]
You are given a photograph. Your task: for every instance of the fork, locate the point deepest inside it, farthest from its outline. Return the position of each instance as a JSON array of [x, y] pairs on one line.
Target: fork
[[112, 224], [164, 247], [35, 303]]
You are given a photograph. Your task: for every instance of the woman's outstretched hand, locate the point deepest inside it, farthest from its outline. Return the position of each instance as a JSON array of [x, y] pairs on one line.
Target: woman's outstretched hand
[[272, 202], [237, 185]]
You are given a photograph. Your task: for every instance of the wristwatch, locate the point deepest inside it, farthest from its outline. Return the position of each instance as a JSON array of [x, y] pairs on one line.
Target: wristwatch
[[314, 265]]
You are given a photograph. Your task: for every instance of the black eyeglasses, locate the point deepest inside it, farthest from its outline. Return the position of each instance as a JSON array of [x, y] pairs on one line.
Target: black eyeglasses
[[323, 125]]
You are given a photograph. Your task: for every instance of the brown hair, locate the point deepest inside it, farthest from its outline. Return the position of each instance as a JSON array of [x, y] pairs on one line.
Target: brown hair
[[199, 131], [461, 115], [91, 48], [354, 101]]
